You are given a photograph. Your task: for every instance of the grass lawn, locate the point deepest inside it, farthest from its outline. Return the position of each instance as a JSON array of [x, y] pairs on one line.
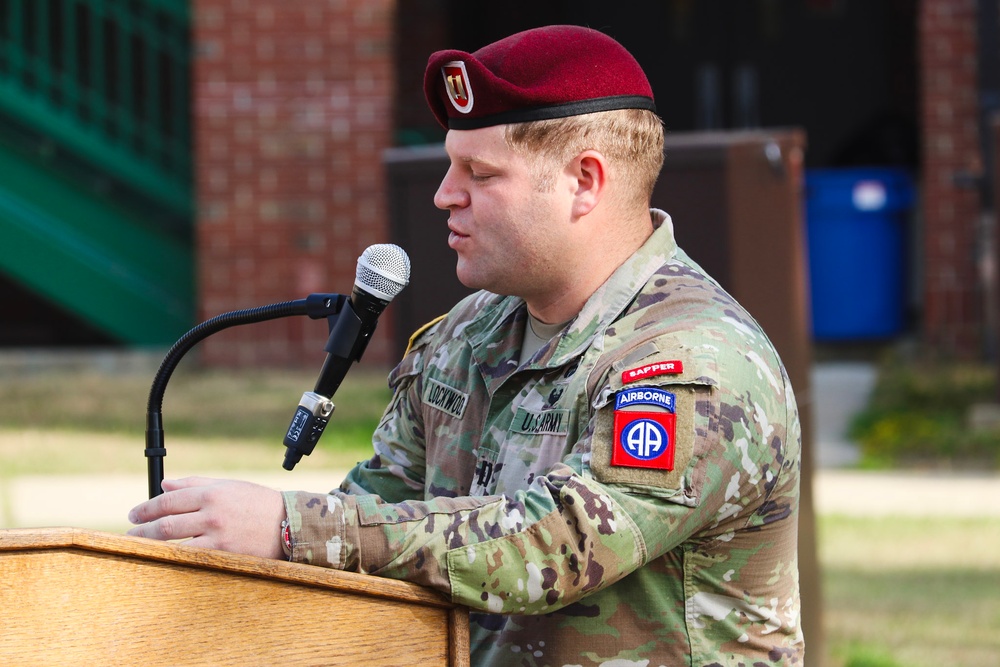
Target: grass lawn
[[911, 592], [217, 420]]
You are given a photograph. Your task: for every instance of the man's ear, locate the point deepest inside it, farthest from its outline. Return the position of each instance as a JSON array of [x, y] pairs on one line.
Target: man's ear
[[590, 169]]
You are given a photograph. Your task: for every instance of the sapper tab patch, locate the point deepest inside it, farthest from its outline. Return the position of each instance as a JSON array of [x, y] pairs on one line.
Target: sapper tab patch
[[675, 367], [644, 439]]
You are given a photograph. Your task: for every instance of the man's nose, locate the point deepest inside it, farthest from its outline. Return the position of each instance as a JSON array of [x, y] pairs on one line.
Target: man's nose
[[449, 194]]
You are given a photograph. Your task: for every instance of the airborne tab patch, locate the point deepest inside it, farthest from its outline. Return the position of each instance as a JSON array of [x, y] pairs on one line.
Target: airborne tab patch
[[444, 398], [645, 396]]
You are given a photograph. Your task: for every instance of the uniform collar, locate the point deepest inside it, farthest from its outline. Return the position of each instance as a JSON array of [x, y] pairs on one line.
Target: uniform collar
[[612, 298]]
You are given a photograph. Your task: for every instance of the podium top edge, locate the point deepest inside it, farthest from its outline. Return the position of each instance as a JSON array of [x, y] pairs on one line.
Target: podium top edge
[[125, 546]]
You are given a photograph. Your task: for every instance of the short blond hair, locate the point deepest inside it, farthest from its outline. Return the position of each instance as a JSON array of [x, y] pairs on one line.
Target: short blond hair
[[631, 140]]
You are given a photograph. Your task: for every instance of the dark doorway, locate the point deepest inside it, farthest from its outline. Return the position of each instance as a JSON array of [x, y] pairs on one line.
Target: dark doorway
[[844, 70], [33, 321]]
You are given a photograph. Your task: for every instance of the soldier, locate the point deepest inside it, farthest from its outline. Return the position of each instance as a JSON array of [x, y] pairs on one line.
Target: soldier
[[598, 453]]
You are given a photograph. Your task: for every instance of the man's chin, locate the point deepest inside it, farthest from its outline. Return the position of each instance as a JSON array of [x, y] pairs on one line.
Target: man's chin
[[471, 278]]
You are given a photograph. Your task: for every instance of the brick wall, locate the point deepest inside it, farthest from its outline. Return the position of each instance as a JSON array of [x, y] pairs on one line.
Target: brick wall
[[953, 308], [293, 108], [294, 105]]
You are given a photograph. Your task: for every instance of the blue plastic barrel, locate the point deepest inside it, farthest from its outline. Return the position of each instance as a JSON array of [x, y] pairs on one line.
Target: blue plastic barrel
[[856, 224]]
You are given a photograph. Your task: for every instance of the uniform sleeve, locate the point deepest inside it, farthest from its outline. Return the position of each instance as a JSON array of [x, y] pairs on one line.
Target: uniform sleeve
[[396, 470], [561, 539], [585, 524]]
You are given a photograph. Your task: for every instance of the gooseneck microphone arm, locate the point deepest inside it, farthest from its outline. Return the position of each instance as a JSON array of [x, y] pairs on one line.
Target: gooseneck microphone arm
[[316, 306], [382, 271]]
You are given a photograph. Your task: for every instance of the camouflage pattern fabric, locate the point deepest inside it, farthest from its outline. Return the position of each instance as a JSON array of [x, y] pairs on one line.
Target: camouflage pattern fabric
[[494, 485]]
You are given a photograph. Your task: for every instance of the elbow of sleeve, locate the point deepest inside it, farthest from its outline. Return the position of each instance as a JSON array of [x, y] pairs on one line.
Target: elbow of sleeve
[[537, 571]]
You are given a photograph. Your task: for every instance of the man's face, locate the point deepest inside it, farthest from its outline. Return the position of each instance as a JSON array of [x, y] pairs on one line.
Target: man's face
[[507, 233]]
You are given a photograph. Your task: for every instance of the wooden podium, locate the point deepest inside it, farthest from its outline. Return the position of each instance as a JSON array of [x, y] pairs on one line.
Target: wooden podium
[[79, 597]]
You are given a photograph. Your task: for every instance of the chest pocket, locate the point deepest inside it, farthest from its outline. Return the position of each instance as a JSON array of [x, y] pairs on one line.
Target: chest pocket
[[528, 435], [534, 442]]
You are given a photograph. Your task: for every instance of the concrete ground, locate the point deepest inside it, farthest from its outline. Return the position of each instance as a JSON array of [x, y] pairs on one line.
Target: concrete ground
[[101, 502], [840, 390]]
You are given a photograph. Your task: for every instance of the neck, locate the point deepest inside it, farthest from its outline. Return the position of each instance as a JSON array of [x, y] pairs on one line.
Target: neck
[[556, 308], [586, 268]]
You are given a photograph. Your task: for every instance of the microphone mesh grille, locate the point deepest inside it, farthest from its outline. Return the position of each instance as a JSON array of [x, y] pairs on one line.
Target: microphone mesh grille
[[383, 270]]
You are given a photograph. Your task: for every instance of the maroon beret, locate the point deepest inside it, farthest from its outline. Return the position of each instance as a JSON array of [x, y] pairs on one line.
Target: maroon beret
[[543, 73]]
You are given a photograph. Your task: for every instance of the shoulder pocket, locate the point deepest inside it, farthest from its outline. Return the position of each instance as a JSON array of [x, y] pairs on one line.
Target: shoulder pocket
[[693, 430]]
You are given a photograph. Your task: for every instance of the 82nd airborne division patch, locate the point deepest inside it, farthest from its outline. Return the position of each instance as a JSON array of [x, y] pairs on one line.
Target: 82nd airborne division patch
[[645, 426]]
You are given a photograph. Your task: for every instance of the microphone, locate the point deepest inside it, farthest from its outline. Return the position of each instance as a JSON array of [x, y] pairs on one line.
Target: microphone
[[383, 271]]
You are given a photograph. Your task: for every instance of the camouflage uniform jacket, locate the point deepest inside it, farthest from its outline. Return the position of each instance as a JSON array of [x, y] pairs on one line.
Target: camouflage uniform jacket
[[493, 483]]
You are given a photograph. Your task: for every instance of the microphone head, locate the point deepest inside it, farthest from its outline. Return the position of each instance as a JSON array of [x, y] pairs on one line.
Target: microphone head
[[383, 270]]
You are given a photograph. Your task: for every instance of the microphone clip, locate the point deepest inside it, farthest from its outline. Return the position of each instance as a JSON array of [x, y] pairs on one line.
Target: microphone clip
[[348, 335]]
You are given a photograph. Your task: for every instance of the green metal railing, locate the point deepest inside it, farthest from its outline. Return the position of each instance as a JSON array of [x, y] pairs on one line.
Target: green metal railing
[[108, 80], [87, 255]]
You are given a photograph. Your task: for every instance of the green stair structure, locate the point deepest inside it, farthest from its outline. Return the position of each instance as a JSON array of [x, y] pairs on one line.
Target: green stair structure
[[96, 203]]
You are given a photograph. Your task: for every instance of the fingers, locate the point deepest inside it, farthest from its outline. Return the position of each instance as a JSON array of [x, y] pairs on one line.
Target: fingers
[[187, 483], [171, 501], [176, 527], [174, 514]]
